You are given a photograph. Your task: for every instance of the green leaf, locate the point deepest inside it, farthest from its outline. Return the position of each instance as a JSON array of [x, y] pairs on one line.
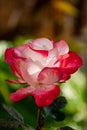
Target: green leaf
[[62, 128], [13, 112], [58, 116], [60, 102], [54, 110], [66, 128], [8, 124], [50, 128], [27, 127]]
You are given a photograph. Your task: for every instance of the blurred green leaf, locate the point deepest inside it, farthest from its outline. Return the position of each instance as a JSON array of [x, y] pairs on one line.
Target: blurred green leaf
[[27, 127], [60, 102], [7, 124], [54, 110], [13, 112], [66, 128], [50, 128], [62, 128]]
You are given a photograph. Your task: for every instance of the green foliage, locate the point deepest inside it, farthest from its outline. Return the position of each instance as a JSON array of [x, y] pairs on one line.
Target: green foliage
[[66, 128], [13, 112], [54, 110]]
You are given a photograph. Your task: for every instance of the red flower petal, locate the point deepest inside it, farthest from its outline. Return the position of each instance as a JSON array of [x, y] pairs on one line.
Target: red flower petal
[[44, 97], [8, 55], [52, 75], [21, 94], [29, 70], [41, 45], [63, 75], [72, 62], [49, 75], [62, 47], [13, 59], [12, 54], [42, 52]]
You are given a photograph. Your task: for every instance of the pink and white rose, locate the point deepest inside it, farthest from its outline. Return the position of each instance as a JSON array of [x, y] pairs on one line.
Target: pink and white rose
[[41, 64]]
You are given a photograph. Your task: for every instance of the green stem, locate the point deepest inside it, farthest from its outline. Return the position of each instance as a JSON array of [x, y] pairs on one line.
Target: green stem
[[39, 119]]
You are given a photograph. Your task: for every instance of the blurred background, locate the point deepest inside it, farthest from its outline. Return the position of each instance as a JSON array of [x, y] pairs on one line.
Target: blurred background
[[23, 20]]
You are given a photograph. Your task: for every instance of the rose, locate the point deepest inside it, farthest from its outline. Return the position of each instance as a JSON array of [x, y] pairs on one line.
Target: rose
[[42, 64]]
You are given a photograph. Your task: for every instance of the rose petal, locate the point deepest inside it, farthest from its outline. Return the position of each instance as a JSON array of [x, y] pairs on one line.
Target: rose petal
[[44, 96], [21, 94], [52, 57], [17, 51], [62, 47], [29, 53], [8, 55], [30, 71], [14, 63], [63, 75], [48, 75], [53, 75], [72, 62], [14, 53], [41, 45]]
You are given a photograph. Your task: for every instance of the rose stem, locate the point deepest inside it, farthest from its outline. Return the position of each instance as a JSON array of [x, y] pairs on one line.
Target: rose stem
[[39, 119]]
